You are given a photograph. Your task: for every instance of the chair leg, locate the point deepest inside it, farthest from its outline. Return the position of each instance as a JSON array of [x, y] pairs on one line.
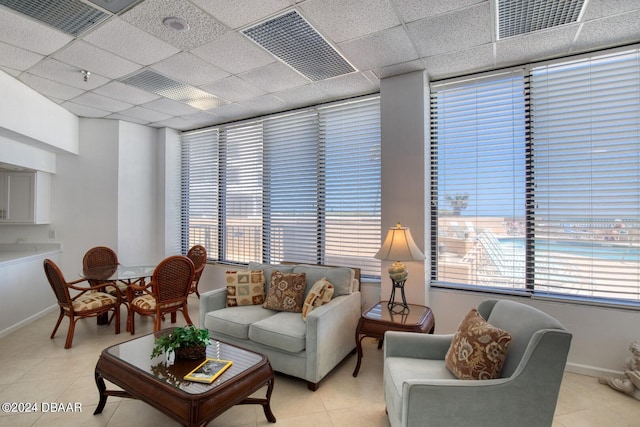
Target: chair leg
[[157, 324], [72, 327], [174, 317], [185, 313], [55, 329], [131, 323], [116, 313]]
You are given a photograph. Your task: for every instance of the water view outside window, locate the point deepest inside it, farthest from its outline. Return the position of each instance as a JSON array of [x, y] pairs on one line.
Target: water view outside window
[[536, 180]]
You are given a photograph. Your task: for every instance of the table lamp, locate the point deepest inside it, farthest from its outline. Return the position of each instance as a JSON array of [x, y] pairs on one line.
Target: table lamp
[[399, 246]]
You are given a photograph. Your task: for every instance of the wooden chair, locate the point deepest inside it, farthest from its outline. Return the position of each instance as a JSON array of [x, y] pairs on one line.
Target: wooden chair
[[167, 292], [102, 256], [197, 254], [88, 302]]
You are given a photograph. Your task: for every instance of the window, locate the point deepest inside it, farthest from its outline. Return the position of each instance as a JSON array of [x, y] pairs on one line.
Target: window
[[536, 180], [301, 186]]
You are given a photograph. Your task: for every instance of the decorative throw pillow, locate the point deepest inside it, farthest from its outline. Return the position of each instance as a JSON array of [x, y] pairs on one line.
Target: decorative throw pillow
[[286, 292], [321, 293], [244, 287], [478, 349]]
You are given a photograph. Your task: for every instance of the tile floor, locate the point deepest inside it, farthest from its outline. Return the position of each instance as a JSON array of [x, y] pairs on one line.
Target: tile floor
[[34, 368]]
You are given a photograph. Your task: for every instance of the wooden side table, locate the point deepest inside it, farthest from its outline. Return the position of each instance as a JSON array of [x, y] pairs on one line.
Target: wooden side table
[[376, 320]]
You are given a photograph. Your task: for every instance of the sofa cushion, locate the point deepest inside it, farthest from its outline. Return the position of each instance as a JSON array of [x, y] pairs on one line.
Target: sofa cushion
[[340, 277], [286, 292], [478, 349], [244, 287], [235, 321], [321, 293], [284, 331], [267, 269]]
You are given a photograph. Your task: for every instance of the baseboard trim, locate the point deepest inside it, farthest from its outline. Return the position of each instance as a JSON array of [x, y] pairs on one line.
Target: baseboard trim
[[591, 371], [25, 322]]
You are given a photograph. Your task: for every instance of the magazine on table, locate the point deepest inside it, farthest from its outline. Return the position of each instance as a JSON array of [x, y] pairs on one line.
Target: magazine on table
[[208, 370]]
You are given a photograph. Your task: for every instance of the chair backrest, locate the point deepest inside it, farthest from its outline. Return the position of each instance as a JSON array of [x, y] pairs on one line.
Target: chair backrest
[[58, 283], [172, 278], [99, 256], [198, 254], [522, 322]]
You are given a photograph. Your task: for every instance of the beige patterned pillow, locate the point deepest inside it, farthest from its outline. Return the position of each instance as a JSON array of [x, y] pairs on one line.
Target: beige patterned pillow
[[286, 292], [244, 287], [478, 349], [321, 293]]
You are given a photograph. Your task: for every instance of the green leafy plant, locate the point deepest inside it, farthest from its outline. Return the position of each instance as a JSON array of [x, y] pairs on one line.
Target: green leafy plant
[[181, 337]]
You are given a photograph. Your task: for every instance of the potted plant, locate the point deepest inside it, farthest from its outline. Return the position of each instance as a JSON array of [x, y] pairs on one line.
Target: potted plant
[[187, 342]]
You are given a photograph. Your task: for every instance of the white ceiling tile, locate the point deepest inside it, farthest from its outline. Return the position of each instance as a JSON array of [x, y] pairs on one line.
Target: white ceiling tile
[[234, 53], [274, 77], [190, 69], [100, 102], [171, 107], [50, 88], [308, 94], [412, 10], [10, 71], [401, 68], [127, 41], [30, 35], [177, 123], [127, 118], [243, 12], [349, 85], [84, 111], [149, 15], [66, 74], [233, 89], [452, 32], [342, 20], [200, 119], [605, 32], [127, 93], [88, 57], [231, 111], [145, 114], [601, 8], [384, 48], [541, 45], [476, 59], [16, 58], [265, 104]]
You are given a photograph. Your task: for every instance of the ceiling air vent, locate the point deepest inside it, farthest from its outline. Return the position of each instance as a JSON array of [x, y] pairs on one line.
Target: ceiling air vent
[[160, 85], [71, 16], [517, 17], [294, 41]]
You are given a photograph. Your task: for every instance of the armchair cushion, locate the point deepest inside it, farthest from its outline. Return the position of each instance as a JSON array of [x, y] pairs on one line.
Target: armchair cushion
[[478, 349], [93, 301], [244, 287]]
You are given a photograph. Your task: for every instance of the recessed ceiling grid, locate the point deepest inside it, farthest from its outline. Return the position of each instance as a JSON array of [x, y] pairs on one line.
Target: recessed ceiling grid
[[294, 41], [517, 17], [164, 86], [71, 16]]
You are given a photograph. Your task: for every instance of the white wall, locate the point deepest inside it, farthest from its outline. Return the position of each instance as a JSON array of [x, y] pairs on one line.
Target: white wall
[[169, 197], [403, 108]]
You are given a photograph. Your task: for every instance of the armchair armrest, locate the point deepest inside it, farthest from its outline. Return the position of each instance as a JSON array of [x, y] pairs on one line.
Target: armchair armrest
[[212, 300], [419, 346]]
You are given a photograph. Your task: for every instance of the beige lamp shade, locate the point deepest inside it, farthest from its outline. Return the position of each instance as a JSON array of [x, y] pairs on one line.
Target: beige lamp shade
[[399, 246]]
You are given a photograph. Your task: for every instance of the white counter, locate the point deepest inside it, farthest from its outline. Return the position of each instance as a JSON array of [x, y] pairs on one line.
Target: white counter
[[11, 253]]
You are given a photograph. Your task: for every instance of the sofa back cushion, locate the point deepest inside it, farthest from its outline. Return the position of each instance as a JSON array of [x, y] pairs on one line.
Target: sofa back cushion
[[267, 269], [340, 277]]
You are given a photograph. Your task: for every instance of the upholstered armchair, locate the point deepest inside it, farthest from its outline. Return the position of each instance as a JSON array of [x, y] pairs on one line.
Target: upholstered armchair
[[420, 390]]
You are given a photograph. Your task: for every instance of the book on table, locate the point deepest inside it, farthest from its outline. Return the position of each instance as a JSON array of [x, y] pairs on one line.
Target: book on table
[[208, 371]]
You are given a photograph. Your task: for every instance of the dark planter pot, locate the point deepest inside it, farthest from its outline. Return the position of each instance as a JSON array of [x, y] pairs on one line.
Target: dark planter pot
[[191, 353]]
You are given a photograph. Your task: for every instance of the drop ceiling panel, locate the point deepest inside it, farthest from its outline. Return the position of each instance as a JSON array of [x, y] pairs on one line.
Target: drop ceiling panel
[[127, 93], [127, 41], [88, 57], [244, 12], [349, 85], [101, 102], [16, 58], [451, 64], [412, 10], [234, 53], [544, 44], [149, 15], [233, 89], [18, 30], [381, 49], [67, 74], [84, 111], [189, 69], [274, 77], [50, 88], [611, 31], [144, 114], [342, 20], [170, 107]]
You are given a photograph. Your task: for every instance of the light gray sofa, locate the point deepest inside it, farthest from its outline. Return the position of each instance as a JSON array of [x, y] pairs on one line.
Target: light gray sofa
[[419, 390], [307, 350]]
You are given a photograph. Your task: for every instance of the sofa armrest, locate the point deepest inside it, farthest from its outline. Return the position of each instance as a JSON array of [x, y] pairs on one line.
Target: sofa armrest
[[212, 300], [415, 345], [331, 334]]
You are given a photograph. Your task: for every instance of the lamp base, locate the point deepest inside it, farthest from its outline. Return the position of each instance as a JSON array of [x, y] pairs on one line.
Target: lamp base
[[398, 307]]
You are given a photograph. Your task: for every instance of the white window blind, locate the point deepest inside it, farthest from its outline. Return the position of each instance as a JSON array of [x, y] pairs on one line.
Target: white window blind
[[586, 150], [200, 190], [479, 180], [301, 186], [350, 138]]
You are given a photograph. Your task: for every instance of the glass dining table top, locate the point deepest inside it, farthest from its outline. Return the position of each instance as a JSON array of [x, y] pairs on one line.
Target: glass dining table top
[[118, 272]]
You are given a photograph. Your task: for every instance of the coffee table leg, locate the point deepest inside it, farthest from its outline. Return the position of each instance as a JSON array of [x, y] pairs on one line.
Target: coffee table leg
[[359, 348], [103, 395], [266, 402]]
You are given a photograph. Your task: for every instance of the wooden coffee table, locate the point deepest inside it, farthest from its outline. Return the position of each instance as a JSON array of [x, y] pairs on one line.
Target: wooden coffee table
[[162, 386], [378, 319]]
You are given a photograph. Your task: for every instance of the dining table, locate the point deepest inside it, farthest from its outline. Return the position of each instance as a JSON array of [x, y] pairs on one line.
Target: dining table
[[129, 275]]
